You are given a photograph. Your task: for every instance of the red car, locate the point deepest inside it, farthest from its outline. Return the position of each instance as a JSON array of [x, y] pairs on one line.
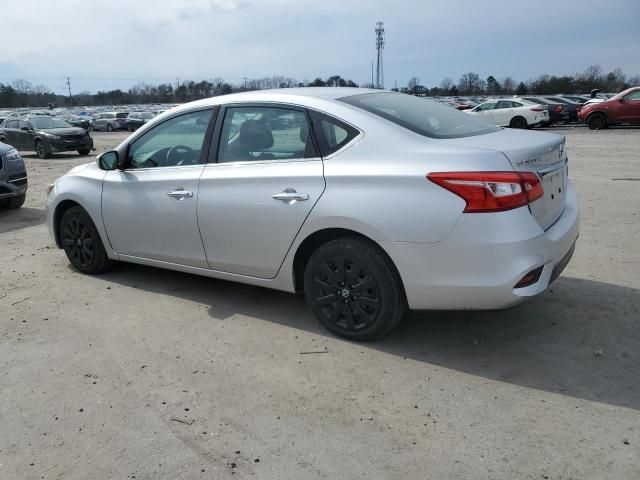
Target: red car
[[623, 108]]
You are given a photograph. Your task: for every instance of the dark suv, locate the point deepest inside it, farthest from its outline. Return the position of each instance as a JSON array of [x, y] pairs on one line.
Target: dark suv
[[13, 178], [45, 135]]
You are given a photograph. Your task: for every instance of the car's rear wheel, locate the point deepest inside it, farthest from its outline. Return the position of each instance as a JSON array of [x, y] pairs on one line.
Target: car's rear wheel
[[84, 151], [81, 242], [13, 202], [518, 122], [353, 289], [597, 121], [41, 149], [109, 127]]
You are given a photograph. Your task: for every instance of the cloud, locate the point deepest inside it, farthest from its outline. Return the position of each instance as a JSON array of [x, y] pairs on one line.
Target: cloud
[[119, 43]]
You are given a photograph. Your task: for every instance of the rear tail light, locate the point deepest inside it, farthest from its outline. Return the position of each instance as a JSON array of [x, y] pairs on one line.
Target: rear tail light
[[538, 109], [558, 108], [491, 191]]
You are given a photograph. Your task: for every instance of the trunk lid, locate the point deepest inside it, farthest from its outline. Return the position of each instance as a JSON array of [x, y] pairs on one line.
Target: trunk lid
[[542, 153]]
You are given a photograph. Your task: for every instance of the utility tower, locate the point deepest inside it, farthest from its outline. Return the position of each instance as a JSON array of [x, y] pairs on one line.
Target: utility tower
[[380, 47]]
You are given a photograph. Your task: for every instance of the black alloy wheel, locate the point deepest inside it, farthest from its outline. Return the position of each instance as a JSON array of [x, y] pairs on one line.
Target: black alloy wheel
[[353, 289], [81, 242]]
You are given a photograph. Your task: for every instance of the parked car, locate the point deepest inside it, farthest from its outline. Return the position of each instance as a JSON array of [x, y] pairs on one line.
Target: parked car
[[572, 107], [575, 98], [77, 121], [370, 202], [110, 121], [558, 112], [136, 119], [622, 108], [13, 178], [510, 113], [45, 135]]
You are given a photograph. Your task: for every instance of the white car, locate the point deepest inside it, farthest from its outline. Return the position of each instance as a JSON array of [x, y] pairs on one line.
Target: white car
[[511, 113]]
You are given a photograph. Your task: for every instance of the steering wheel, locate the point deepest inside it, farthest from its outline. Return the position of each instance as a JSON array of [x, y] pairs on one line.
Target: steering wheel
[[180, 155]]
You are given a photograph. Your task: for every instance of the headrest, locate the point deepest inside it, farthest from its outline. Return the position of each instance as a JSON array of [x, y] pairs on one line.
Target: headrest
[[255, 135]]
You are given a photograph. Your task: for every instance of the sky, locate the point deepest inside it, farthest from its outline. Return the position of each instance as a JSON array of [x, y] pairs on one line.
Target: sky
[[102, 45]]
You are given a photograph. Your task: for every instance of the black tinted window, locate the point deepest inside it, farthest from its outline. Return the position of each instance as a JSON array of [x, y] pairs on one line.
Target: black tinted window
[[421, 116], [332, 134]]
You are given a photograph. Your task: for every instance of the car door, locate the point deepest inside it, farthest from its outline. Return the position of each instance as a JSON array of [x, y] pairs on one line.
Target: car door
[[23, 136], [629, 109], [149, 207], [503, 113], [264, 177], [9, 132], [485, 110]]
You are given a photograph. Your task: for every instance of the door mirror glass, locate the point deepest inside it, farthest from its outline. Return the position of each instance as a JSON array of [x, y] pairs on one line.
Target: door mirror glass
[[108, 160]]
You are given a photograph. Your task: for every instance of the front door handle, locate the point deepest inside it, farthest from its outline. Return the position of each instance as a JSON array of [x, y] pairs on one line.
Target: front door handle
[[290, 196], [180, 194]]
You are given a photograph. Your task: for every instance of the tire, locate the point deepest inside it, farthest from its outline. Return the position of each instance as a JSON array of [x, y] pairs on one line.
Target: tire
[[13, 202], [518, 122], [84, 151], [366, 309], [109, 127], [81, 242], [41, 149], [597, 121]]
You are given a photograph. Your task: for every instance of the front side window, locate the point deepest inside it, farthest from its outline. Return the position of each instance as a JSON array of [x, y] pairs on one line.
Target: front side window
[[176, 142], [634, 96], [486, 106], [264, 133]]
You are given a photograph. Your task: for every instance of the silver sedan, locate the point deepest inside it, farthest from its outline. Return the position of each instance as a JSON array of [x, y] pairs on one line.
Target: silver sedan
[[370, 202]]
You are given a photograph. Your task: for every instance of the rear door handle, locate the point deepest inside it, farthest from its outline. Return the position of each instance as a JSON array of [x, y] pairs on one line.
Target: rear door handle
[[180, 194], [290, 196]]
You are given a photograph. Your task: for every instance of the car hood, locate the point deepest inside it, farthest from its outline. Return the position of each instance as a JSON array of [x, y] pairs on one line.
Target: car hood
[[81, 168], [64, 131]]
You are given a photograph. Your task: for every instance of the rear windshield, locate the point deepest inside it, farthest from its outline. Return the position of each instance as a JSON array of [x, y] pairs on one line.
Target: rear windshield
[[421, 116]]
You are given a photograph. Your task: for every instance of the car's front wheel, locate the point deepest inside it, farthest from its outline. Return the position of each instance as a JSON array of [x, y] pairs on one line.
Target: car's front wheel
[[597, 121], [84, 151], [41, 149], [81, 242], [109, 127], [353, 289]]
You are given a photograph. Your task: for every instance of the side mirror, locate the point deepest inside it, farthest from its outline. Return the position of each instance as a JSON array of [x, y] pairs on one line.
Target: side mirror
[[621, 100], [108, 160]]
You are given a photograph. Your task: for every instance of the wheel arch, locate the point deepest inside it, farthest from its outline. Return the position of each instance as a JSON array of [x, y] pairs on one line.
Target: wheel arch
[[318, 238]]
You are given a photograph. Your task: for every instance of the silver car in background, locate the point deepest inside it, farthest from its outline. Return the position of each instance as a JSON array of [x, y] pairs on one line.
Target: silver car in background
[[370, 202]]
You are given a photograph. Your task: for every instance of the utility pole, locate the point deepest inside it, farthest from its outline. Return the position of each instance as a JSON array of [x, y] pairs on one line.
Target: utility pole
[[245, 83], [373, 85], [380, 46], [69, 86], [177, 82]]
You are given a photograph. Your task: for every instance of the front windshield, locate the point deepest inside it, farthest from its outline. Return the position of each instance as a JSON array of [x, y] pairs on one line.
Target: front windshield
[[422, 116], [45, 123]]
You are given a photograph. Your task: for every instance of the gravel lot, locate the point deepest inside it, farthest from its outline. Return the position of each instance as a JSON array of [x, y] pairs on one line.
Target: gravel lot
[[147, 374]]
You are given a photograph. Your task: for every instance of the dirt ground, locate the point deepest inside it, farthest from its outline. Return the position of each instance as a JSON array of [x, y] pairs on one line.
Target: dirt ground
[[147, 374]]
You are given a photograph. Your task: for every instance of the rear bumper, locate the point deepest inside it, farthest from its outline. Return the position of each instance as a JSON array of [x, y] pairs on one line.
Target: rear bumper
[[477, 266]]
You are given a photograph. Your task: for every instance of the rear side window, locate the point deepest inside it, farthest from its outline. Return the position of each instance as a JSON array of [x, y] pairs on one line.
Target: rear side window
[[332, 134], [121, 115], [421, 116]]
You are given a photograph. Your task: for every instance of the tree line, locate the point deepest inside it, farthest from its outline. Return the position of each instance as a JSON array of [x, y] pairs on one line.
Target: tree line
[[22, 93]]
